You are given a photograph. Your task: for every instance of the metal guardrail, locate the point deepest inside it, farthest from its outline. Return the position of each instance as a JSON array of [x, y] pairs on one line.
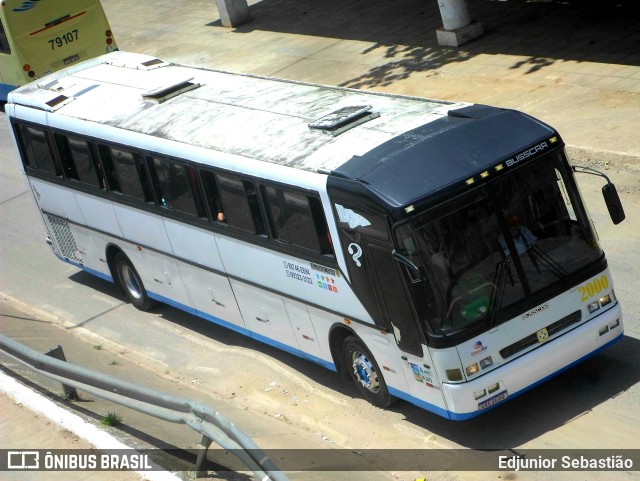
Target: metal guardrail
[[203, 419]]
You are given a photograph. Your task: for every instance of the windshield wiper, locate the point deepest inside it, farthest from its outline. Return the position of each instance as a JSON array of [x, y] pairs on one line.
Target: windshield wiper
[[546, 260]]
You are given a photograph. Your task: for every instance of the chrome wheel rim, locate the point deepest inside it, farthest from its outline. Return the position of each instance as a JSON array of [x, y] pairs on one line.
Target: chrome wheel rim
[[131, 282], [364, 372]]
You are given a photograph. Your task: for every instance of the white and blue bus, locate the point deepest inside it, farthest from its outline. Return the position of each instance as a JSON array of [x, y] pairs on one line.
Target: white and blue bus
[[431, 251]]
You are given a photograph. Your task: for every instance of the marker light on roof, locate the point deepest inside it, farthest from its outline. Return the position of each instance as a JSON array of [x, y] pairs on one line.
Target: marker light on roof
[[499, 167], [470, 181], [485, 174], [553, 140]]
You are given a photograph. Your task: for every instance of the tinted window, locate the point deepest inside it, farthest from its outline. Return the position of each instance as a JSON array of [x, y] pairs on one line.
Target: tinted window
[[78, 160], [297, 219], [36, 145], [240, 200], [109, 169], [212, 196], [125, 173], [177, 186]]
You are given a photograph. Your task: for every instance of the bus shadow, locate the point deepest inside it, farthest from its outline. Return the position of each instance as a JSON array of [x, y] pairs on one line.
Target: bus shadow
[[223, 335], [545, 408]]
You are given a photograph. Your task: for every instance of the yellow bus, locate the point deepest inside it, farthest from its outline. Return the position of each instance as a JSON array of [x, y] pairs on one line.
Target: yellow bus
[[38, 37]]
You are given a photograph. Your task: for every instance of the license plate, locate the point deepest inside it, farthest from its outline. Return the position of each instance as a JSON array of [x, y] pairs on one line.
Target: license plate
[[71, 59], [492, 400]]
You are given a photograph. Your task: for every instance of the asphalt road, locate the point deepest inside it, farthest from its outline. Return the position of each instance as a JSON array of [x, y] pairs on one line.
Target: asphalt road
[[593, 405]]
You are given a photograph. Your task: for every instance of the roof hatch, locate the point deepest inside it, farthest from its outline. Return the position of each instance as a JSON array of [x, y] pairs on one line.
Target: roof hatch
[[161, 93], [343, 119]]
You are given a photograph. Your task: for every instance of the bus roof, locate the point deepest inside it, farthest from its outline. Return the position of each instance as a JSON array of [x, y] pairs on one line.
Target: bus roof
[[370, 137], [420, 163]]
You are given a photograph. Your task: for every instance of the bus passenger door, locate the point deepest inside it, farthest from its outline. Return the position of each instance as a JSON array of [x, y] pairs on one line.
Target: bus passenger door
[[398, 314], [265, 315]]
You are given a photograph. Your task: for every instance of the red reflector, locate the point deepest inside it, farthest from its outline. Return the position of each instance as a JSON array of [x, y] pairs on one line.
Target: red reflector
[[109, 41], [31, 74], [26, 67], [108, 33]]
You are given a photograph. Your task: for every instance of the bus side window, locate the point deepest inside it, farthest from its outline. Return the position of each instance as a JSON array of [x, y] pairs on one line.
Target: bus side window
[[65, 157], [37, 146], [125, 173], [79, 160], [212, 196], [177, 186], [88, 166], [297, 219], [241, 201], [109, 169]]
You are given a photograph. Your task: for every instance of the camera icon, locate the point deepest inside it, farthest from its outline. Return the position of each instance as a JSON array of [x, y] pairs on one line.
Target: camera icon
[[23, 460]]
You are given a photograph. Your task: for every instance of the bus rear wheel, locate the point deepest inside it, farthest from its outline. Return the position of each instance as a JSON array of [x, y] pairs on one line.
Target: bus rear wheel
[[365, 373], [131, 284]]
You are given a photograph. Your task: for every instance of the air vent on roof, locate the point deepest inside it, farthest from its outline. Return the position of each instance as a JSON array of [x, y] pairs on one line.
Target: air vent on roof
[[344, 119], [135, 61], [170, 90], [152, 62]]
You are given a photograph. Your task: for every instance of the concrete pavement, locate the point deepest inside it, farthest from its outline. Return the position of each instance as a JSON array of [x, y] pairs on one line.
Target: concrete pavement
[[32, 417], [573, 65]]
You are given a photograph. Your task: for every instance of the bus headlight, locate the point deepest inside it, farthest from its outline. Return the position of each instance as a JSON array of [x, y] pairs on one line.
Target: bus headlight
[[604, 300], [454, 374], [472, 369], [486, 362], [593, 307]]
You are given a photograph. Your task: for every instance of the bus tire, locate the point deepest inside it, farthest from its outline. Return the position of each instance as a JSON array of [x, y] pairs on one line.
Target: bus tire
[[365, 373], [131, 284]]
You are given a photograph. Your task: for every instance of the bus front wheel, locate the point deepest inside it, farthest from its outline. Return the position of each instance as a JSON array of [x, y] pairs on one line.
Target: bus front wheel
[[131, 284], [365, 373]]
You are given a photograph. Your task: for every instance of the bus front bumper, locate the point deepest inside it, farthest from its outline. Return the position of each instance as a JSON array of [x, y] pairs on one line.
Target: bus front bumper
[[534, 367]]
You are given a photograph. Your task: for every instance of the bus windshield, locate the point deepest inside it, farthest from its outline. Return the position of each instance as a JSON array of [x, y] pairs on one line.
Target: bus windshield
[[499, 250]]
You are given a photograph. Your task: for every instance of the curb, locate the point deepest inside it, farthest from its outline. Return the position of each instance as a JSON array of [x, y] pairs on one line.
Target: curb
[[72, 422]]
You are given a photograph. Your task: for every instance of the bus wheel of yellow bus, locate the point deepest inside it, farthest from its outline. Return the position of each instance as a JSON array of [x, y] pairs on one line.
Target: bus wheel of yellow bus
[[131, 284], [366, 374]]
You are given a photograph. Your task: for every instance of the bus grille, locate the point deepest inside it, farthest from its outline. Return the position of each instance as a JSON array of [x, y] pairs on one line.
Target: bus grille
[[64, 238], [532, 339]]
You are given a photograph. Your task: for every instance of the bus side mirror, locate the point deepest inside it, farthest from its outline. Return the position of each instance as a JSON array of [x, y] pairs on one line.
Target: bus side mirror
[[609, 192], [612, 200]]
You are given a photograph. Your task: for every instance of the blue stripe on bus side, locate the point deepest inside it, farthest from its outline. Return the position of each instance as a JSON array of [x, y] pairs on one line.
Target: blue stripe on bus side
[[93, 272], [5, 89], [244, 331], [216, 320], [420, 403]]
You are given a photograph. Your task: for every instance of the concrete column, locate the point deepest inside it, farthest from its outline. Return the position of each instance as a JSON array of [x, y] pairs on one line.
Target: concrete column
[[457, 26], [233, 12]]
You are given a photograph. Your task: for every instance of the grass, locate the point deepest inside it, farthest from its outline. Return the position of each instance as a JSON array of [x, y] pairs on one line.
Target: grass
[[111, 419]]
